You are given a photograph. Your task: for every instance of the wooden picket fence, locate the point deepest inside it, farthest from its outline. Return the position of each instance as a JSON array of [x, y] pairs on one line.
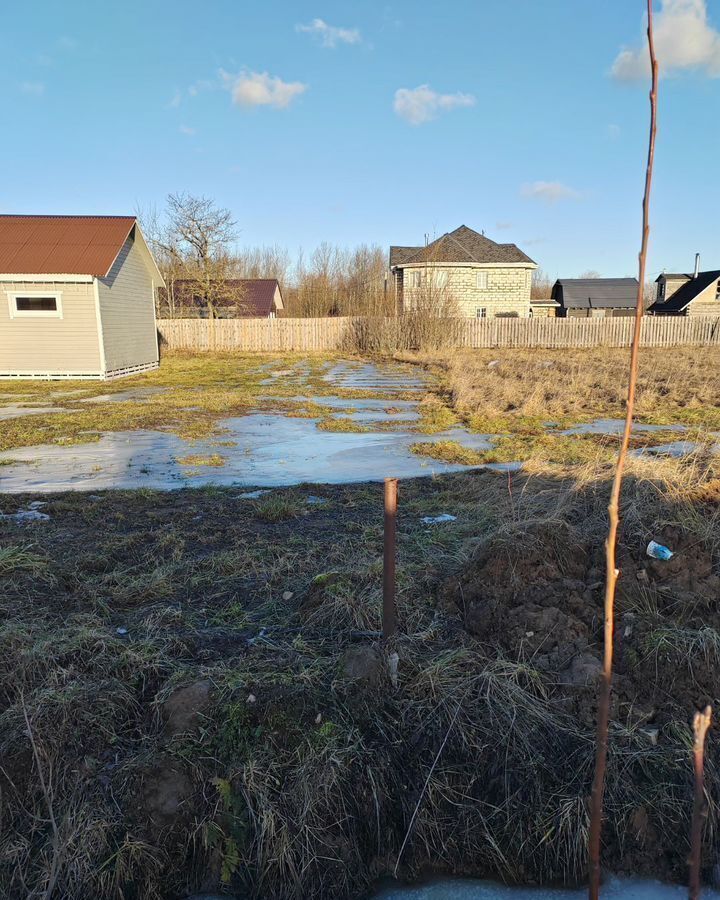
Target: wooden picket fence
[[395, 334]]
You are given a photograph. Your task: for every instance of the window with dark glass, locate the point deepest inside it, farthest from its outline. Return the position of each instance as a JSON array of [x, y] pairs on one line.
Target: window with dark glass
[[36, 304]]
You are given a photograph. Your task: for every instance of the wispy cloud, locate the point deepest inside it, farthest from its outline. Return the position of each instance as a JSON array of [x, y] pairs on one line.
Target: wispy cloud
[[67, 43], [684, 39], [549, 191], [32, 88], [422, 104], [186, 129], [613, 131], [175, 100], [330, 35], [503, 226], [204, 84], [261, 89]]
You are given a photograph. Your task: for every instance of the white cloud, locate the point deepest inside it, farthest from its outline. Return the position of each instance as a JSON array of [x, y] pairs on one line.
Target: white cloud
[[613, 131], [330, 35], [503, 226], [261, 89], [422, 104], [549, 191], [684, 39], [175, 100], [186, 129], [34, 88]]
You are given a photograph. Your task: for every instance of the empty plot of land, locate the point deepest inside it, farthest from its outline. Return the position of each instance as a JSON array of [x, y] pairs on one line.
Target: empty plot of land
[[272, 421]]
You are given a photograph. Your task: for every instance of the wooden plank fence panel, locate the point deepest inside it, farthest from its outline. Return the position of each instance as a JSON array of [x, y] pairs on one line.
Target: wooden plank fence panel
[[333, 334]]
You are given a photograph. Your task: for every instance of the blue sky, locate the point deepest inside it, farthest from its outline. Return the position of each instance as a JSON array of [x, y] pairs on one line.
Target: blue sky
[[523, 118]]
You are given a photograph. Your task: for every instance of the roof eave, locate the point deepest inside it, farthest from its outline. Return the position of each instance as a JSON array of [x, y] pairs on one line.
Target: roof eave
[[48, 277]]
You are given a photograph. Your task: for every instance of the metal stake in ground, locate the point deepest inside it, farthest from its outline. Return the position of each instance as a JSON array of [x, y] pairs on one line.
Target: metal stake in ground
[[389, 624], [701, 723]]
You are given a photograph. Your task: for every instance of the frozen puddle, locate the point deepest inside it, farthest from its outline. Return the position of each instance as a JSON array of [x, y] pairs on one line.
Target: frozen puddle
[[270, 451], [266, 450], [614, 889], [15, 410]]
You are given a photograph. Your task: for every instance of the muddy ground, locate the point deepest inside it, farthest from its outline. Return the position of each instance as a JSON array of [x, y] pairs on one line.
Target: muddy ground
[[193, 691]]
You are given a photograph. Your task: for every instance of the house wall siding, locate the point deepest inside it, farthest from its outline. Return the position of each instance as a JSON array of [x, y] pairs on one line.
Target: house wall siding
[[705, 304], [127, 309], [50, 346], [507, 291], [671, 286]]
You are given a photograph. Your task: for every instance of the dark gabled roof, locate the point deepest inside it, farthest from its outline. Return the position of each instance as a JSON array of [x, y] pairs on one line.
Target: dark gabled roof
[[686, 293], [672, 275], [253, 296], [62, 245], [596, 293], [460, 246], [400, 255]]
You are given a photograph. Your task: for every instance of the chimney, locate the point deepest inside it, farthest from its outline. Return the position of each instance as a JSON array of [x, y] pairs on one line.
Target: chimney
[[697, 265]]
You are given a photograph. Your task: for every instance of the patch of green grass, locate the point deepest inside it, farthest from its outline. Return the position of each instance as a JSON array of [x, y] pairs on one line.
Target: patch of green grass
[[343, 424], [448, 451], [435, 416], [21, 559], [278, 508], [508, 424], [549, 448], [196, 459]]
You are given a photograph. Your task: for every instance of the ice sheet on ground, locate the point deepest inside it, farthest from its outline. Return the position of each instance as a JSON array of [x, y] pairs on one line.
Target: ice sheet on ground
[[614, 889], [14, 411], [138, 395], [615, 426], [271, 451], [377, 377]]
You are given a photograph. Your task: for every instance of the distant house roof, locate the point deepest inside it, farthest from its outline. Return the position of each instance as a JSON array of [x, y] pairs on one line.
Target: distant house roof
[[596, 293], [686, 293], [69, 245], [460, 246], [255, 296], [672, 275]]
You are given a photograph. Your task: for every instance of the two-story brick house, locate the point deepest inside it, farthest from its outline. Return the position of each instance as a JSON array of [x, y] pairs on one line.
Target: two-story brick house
[[463, 273]]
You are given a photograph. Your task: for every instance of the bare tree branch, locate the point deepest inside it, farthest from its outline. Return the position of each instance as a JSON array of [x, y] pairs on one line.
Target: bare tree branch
[[603, 712]]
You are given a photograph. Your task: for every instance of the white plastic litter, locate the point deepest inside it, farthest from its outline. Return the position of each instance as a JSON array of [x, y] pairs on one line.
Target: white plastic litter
[[659, 551], [438, 520]]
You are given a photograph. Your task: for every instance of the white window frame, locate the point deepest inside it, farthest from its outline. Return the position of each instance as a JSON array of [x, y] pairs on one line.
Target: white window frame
[[415, 278], [442, 278], [16, 313], [481, 312], [481, 281]]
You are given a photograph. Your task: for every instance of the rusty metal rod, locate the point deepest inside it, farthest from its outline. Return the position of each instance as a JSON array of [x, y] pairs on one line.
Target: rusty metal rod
[[612, 572], [701, 723], [389, 619]]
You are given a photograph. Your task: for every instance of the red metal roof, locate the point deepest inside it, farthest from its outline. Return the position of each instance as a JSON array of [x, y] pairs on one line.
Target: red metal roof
[[254, 295], [61, 245]]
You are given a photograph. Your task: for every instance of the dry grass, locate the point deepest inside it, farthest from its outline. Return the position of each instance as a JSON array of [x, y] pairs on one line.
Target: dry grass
[[198, 579], [675, 385]]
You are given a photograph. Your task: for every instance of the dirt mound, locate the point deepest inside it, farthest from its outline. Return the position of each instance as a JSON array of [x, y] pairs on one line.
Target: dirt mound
[[527, 591]]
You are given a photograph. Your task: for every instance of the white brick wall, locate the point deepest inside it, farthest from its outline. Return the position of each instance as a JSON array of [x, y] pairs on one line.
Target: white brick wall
[[507, 289]]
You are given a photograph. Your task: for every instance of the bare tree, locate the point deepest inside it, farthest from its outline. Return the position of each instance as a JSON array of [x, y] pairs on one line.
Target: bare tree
[[542, 285], [196, 241]]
